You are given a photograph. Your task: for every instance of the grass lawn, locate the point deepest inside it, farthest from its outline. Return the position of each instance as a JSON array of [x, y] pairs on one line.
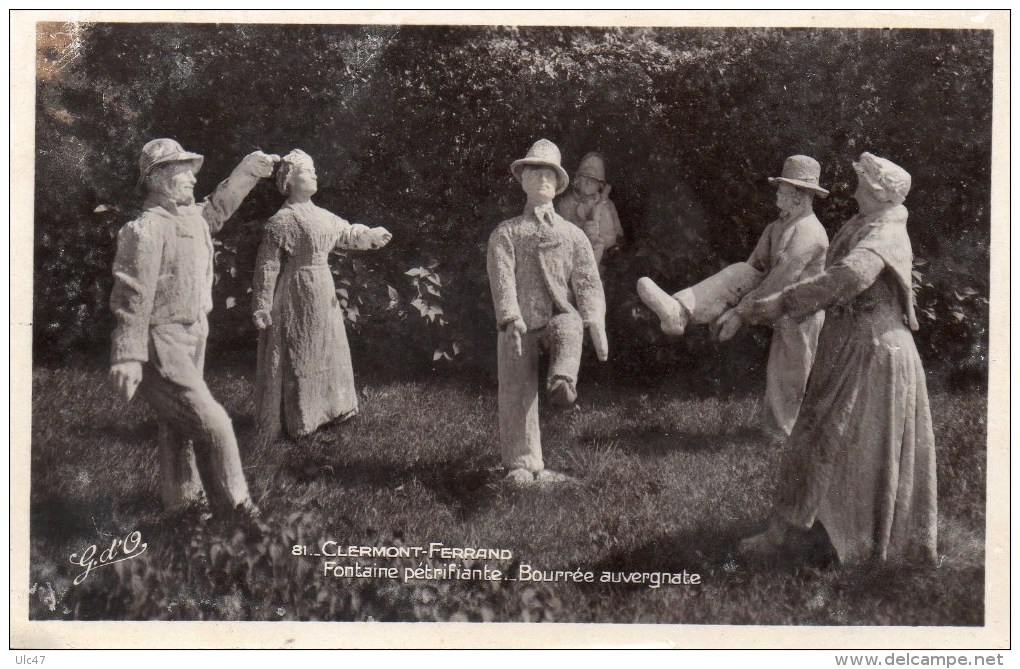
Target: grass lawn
[[666, 483]]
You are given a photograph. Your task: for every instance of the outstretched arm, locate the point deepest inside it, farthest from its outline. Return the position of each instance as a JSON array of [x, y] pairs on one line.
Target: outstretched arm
[[841, 283], [838, 284], [228, 196], [805, 247], [358, 236]]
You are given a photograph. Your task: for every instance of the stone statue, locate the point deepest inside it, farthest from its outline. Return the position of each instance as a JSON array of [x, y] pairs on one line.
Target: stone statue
[[791, 248], [163, 276], [587, 205], [546, 291], [862, 454], [304, 374]]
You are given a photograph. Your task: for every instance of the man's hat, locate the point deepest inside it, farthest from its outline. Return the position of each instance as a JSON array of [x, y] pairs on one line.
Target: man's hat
[[543, 153], [593, 167], [802, 172], [160, 151]]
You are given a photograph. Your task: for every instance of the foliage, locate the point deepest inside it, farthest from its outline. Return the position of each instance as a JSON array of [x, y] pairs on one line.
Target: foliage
[[691, 121], [958, 321]]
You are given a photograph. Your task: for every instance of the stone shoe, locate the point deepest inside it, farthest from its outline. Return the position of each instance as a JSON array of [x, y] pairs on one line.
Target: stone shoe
[[248, 509], [760, 545], [194, 511], [249, 518], [664, 305], [519, 478], [548, 478], [562, 394], [764, 545]]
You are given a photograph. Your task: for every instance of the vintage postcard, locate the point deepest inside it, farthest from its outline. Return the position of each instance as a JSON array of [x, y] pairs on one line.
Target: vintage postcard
[[538, 329]]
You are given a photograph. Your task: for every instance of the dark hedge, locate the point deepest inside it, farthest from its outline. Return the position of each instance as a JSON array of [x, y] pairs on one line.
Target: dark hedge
[[414, 128]]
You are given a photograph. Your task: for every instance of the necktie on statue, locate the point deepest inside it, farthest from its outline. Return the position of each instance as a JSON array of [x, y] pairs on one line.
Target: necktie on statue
[[544, 213]]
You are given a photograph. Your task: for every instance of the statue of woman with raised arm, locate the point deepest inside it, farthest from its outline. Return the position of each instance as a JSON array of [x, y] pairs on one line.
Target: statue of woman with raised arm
[[304, 377]]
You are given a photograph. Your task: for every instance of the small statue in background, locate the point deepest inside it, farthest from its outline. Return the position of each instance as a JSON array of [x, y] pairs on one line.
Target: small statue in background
[[790, 249], [304, 374], [546, 292], [587, 205]]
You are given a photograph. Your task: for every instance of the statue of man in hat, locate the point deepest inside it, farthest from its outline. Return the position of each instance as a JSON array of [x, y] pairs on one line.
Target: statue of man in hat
[[587, 205], [792, 247], [163, 277], [546, 292]]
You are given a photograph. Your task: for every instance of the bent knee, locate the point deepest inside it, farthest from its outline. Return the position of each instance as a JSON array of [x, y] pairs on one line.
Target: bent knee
[[566, 329]]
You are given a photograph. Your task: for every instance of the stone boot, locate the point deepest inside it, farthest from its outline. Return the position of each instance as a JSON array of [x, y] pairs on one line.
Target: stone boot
[[519, 478], [671, 315], [548, 478], [765, 544], [562, 394]]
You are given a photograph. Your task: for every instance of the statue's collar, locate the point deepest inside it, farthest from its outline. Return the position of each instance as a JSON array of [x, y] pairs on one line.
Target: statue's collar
[[542, 213], [790, 220], [159, 200]]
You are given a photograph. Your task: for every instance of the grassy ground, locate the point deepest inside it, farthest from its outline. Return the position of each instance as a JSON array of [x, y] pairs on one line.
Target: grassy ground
[[667, 483]]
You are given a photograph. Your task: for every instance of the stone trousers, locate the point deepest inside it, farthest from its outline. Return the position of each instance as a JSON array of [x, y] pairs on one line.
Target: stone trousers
[[519, 436], [198, 451], [791, 354], [708, 300]]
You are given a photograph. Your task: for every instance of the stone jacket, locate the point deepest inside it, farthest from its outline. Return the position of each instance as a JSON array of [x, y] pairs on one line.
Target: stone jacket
[[787, 252], [541, 268], [163, 270]]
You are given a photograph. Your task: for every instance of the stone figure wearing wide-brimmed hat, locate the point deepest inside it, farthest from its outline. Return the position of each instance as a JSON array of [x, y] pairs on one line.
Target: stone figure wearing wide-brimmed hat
[[586, 204], [791, 248], [546, 292], [163, 277], [304, 377], [862, 454]]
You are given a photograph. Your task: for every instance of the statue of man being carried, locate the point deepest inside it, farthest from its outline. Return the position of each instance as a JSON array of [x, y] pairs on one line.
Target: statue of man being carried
[[792, 248]]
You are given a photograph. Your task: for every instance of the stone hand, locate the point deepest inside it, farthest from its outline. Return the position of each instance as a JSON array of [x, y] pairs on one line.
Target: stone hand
[[379, 237], [768, 309], [516, 329], [259, 164], [262, 320], [125, 377], [727, 325], [598, 338], [604, 193]]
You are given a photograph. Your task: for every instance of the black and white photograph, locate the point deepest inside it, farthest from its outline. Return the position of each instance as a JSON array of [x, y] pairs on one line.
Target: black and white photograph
[[647, 322]]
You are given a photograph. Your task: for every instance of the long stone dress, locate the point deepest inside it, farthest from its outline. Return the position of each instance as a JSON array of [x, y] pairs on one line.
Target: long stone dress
[[304, 372], [863, 450]]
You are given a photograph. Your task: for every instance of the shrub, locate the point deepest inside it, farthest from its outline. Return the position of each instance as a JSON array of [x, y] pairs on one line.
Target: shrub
[[414, 128]]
